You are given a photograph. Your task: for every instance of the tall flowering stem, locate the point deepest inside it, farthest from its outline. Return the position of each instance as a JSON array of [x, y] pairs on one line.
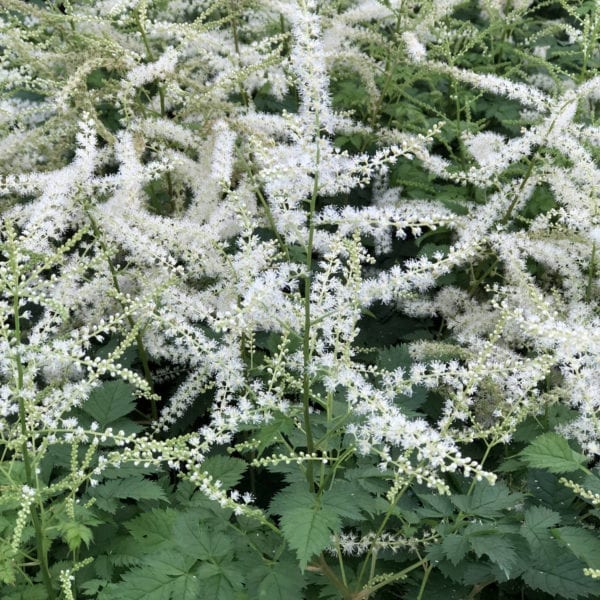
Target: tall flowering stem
[[36, 507]]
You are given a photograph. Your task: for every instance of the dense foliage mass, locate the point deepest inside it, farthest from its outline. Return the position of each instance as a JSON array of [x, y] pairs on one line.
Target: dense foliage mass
[[299, 299]]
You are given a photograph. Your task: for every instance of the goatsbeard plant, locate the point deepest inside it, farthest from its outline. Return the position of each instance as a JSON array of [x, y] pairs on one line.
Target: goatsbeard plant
[[265, 335]]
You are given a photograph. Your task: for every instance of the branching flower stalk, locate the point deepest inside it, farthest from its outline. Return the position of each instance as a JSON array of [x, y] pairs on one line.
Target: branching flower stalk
[[306, 342], [37, 507], [143, 355]]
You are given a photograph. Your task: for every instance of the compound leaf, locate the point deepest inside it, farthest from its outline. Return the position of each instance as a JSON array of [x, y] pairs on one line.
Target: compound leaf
[[487, 500], [538, 519], [109, 402], [308, 530], [583, 543], [280, 581], [552, 452]]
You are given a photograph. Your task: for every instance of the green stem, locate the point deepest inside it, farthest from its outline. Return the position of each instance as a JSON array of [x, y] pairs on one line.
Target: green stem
[[264, 204], [236, 44], [529, 171], [306, 353], [42, 554], [518, 192], [381, 527], [460, 517], [390, 67], [161, 92], [457, 125], [337, 582], [141, 349], [428, 570], [367, 591], [341, 563]]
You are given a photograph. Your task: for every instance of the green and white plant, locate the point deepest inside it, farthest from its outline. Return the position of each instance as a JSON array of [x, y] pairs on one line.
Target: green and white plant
[[299, 299]]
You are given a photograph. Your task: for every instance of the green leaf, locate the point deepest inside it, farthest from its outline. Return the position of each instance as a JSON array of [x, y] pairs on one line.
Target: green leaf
[[308, 531], [279, 581], [200, 541], [434, 505], [561, 575], [92, 587], [583, 543], [487, 500], [498, 549], [170, 562], [348, 500], [538, 520], [228, 470], [108, 493], [591, 482], [165, 577], [76, 531], [270, 433], [369, 478], [546, 488], [552, 452], [392, 357], [219, 581], [455, 547], [295, 495], [111, 401], [30, 592], [75, 534], [152, 529], [7, 568]]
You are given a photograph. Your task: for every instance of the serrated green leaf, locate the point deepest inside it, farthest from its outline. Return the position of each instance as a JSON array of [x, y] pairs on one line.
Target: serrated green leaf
[[583, 543], [109, 492], [74, 534], [538, 519], [153, 529], [293, 496], [392, 357], [498, 549], [219, 581], [111, 401], [471, 572], [438, 588], [165, 576], [591, 482], [561, 575], [170, 562], [455, 547], [199, 540], [30, 592], [487, 500], [552, 452], [369, 478], [228, 470], [280, 581], [308, 531], [546, 488], [270, 433], [435, 505], [348, 500], [92, 587], [7, 568]]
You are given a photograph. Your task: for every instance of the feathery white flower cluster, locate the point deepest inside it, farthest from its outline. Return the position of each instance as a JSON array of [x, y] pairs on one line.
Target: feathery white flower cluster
[[210, 237]]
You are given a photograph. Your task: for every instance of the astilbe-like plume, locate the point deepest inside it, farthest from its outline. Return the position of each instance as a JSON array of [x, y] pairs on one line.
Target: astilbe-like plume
[[200, 280]]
